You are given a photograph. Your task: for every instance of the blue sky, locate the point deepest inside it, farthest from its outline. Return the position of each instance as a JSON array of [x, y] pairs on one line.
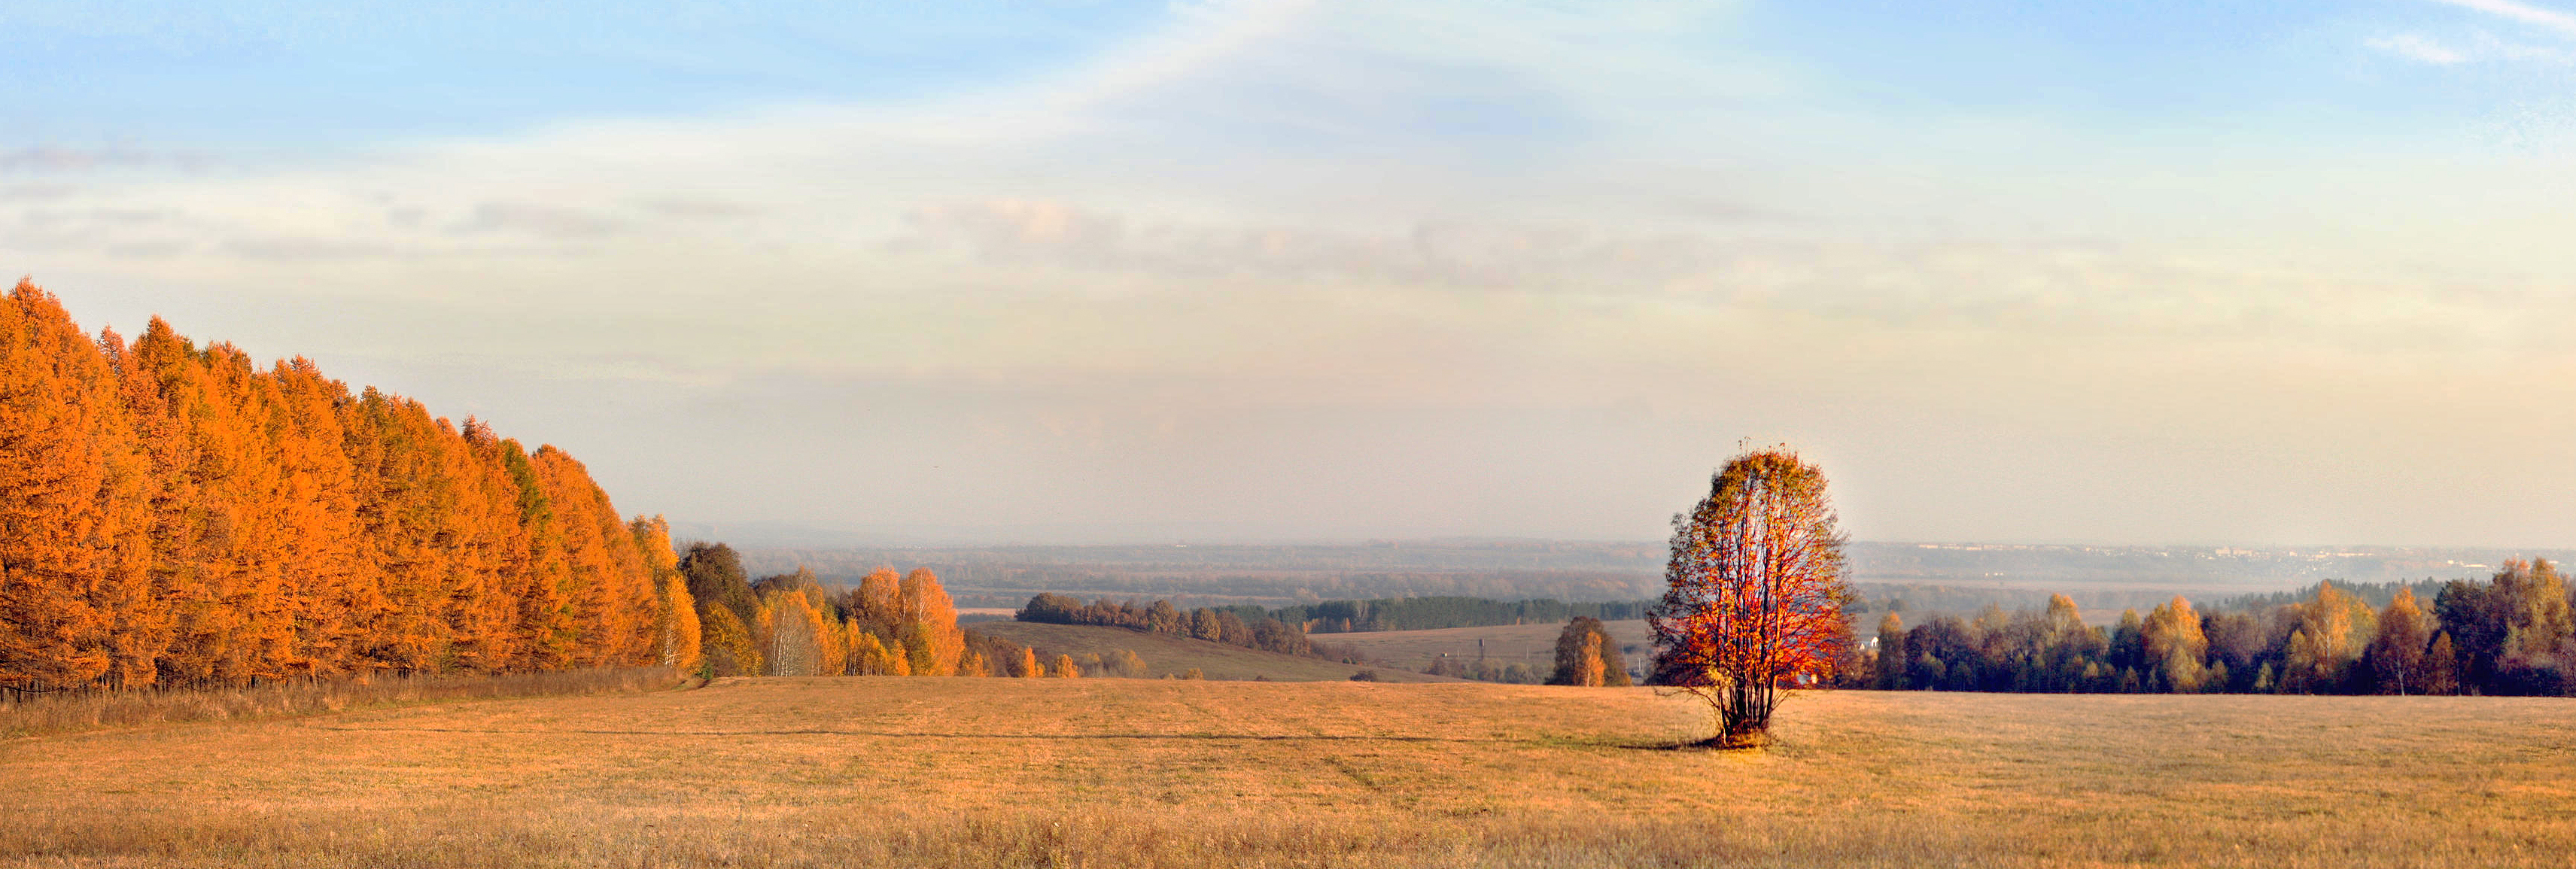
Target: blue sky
[[2191, 272], [286, 74]]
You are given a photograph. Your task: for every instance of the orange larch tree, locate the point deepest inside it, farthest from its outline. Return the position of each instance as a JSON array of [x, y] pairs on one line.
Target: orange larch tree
[[73, 510], [612, 586], [176, 515], [337, 596], [145, 625], [192, 525], [930, 635]]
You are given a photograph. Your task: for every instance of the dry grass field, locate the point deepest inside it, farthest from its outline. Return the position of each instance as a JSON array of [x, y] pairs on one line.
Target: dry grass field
[[1534, 645], [36, 714], [1115, 772]]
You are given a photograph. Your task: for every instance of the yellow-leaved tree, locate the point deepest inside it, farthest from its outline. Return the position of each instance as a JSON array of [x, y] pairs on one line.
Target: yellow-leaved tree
[[2176, 646], [2333, 629], [729, 647], [2400, 655], [930, 636], [796, 634], [681, 633]]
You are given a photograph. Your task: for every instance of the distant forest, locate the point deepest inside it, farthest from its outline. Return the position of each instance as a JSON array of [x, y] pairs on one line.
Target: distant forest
[[1428, 613], [2510, 634], [1234, 626], [1918, 579], [1254, 575]]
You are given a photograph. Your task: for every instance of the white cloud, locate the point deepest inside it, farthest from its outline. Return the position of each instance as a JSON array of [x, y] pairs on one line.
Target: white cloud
[[2419, 48], [2523, 12], [2489, 45]]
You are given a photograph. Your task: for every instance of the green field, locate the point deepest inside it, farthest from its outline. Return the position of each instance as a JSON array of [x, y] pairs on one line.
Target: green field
[[1123, 772]]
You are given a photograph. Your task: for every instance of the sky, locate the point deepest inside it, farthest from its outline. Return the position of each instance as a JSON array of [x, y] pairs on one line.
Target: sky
[[2172, 273]]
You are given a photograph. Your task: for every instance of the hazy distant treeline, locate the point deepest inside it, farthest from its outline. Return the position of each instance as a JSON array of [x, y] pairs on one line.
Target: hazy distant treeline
[[1409, 556], [1917, 601], [1228, 625], [1428, 613], [2376, 594], [1936, 577], [992, 586], [2510, 634], [1265, 575]]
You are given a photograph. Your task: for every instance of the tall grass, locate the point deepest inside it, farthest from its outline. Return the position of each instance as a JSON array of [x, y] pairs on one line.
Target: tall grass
[[27, 714]]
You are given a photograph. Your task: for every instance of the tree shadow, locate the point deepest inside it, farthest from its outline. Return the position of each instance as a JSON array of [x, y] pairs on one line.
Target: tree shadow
[[896, 734]]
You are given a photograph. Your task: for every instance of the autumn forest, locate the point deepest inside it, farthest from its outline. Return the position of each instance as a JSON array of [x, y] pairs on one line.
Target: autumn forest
[[176, 515]]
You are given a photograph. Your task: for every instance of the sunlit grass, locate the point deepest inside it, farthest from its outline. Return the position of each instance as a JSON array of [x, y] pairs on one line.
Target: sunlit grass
[[1106, 772], [28, 714]]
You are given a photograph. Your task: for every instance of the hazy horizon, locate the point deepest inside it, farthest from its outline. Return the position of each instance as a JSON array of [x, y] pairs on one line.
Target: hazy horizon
[[1290, 271], [790, 535]]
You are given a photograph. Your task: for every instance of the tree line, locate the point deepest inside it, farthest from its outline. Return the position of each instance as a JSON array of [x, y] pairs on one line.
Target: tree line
[[1225, 625], [175, 515], [890, 624], [1430, 613], [172, 514], [2510, 634]]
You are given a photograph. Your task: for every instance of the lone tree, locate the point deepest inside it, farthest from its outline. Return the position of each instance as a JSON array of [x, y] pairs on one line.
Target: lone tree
[[1587, 656], [1755, 603]]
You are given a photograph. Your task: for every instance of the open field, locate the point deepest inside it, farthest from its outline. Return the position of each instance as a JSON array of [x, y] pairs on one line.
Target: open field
[[1114, 772], [1164, 653], [1534, 645]]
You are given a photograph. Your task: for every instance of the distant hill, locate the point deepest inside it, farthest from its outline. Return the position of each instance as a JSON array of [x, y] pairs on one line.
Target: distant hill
[[1925, 577], [1260, 575], [1165, 653]]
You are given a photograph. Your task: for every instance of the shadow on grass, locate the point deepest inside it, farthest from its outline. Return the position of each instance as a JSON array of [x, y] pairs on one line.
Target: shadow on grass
[[1622, 745], [1718, 744], [891, 734]]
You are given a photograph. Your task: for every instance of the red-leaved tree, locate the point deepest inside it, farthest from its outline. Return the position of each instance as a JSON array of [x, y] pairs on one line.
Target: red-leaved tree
[[1755, 603]]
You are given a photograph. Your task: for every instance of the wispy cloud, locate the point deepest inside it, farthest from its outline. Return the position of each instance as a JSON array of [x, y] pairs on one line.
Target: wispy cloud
[[38, 159], [2417, 47], [2489, 45], [2523, 12]]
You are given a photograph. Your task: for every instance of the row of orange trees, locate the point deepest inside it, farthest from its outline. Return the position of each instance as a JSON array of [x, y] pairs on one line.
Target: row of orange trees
[[175, 514]]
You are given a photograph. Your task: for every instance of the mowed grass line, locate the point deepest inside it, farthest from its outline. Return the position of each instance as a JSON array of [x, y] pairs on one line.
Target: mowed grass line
[[1106, 772]]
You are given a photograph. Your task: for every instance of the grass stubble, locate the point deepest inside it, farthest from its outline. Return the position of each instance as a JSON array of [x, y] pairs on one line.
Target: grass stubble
[[1100, 772], [35, 714]]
